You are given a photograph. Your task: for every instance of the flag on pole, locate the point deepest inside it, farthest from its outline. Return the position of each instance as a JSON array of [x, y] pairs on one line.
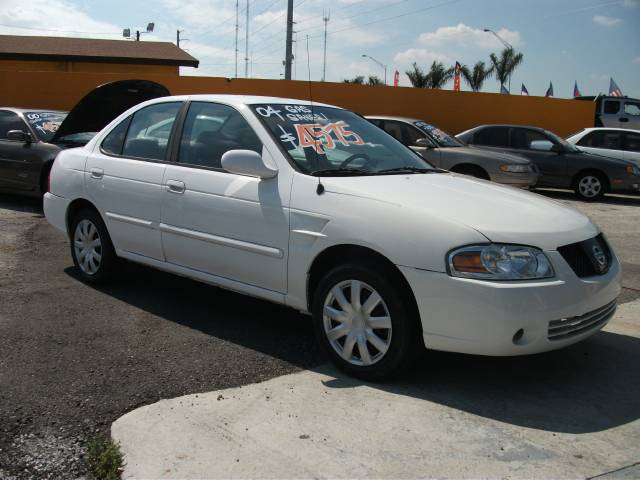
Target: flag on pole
[[456, 79], [614, 89], [503, 90], [576, 90], [549, 90], [396, 78], [524, 91]]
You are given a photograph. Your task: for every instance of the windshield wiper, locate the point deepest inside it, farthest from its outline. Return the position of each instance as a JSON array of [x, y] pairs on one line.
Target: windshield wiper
[[409, 170], [341, 172]]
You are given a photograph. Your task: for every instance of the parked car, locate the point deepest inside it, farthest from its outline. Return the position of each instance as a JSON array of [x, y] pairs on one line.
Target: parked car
[[444, 151], [617, 143], [615, 112], [30, 138], [561, 164], [313, 207]]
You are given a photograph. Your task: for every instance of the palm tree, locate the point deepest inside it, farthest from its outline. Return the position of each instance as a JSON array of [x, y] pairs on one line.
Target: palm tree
[[439, 75], [505, 65], [417, 77], [359, 80], [374, 80], [475, 78]]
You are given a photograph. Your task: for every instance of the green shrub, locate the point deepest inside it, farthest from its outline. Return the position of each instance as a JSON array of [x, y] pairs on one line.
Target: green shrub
[[104, 458]]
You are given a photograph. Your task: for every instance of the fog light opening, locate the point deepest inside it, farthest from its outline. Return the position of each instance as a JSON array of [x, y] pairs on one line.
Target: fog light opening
[[518, 336]]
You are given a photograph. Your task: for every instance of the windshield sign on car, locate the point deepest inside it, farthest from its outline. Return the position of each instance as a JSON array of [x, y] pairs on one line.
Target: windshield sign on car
[[45, 124], [330, 139], [438, 135]]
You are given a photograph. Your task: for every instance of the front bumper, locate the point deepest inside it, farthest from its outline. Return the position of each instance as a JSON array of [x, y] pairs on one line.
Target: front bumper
[[522, 180], [478, 317]]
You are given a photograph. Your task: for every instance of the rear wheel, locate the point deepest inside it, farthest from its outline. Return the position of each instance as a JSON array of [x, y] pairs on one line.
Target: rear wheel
[[91, 248], [362, 322], [590, 186]]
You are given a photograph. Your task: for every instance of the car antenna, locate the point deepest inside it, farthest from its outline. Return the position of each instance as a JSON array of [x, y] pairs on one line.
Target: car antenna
[[320, 187]]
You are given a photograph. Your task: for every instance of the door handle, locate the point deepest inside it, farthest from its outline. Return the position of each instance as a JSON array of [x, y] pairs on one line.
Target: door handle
[[97, 173], [175, 186], [624, 119]]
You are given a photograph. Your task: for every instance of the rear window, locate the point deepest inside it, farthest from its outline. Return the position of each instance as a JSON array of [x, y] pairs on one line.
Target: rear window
[[45, 124]]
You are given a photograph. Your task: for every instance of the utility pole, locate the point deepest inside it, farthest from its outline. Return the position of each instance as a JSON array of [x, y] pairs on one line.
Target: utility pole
[[325, 18], [288, 53], [178, 32], [237, 28], [246, 45]]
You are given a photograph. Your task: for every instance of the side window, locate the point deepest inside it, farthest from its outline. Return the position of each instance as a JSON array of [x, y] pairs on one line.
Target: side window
[[632, 143], [10, 121], [210, 130], [525, 139], [395, 130], [631, 108], [414, 134], [114, 141], [148, 135], [602, 139], [611, 107], [492, 136]]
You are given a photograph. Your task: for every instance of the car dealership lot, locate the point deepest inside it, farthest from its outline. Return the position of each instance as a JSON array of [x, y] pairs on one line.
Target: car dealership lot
[[75, 358]]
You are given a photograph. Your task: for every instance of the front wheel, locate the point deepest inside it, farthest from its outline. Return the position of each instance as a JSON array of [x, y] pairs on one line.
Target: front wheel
[[590, 186], [91, 248], [363, 323]]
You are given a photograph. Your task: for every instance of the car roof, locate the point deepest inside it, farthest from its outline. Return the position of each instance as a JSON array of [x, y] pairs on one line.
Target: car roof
[[595, 129], [394, 117], [508, 125], [252, 100]]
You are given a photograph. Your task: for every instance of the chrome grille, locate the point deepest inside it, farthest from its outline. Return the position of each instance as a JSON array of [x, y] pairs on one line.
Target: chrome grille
[[582, 259], [572, 326]]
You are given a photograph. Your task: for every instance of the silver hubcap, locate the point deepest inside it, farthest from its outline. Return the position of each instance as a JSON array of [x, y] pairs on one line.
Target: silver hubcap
[[88, 247], [357, 322], [589, 186]]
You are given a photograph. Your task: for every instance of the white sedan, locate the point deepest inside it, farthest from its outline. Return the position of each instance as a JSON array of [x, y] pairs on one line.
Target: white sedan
[[620, 143], [311, 206]]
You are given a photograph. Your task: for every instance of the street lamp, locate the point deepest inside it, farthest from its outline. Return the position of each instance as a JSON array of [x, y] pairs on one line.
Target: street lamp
[[382, 65], [505, 43]]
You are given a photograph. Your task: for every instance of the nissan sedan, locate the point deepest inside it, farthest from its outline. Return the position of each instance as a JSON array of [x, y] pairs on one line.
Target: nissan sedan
[[311, 206]]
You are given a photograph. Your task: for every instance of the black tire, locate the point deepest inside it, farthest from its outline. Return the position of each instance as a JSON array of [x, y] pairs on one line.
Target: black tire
[[107, 264], [596, 180], [405, 334], [472, 171]]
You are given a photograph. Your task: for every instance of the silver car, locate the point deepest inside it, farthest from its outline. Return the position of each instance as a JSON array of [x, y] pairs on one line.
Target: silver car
[[444, 151]]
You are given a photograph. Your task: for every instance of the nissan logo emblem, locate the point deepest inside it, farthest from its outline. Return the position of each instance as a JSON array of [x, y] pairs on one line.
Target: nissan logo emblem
[[600, 257]]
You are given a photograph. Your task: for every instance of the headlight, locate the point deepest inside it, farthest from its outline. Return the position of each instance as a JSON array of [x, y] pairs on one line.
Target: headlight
[[499, 262], [515, 168], [633, 169]]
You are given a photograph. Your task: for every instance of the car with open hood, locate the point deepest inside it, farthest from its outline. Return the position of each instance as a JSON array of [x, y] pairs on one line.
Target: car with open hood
[[445, 151], [30, 138], [561, 164], [313, 207]]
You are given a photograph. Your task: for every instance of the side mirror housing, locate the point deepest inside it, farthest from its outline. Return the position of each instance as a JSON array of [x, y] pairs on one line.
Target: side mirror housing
[[557, 148], [247, 162], [541, 145], [423, 142], [19, 136]]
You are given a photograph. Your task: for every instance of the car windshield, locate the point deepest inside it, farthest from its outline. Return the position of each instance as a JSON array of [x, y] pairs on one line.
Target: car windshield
[[440, 137], [331, 141], [556, 139], [45, 124]]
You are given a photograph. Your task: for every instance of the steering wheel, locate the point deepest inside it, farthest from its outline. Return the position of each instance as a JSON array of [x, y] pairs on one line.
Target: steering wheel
[[355, 156]]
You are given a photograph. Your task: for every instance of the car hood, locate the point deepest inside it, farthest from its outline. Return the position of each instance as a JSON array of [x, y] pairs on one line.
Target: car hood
[[485, 154], [502, 214], [104, 103]]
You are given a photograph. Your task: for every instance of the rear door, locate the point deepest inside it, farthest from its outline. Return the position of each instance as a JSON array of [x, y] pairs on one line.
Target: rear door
[[124, 176]]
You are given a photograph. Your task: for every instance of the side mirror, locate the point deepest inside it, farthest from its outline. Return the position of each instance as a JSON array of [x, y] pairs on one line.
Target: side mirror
[[19, 136], [541, 145], [557, 148], [247, 162], [423, 142]]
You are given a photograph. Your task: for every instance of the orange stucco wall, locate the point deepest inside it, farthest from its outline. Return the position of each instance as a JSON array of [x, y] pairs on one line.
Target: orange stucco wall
[[451, 111]]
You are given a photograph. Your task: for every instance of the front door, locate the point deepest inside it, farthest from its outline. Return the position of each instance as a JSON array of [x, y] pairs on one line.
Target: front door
[[535, 146], [19, 161], [124, 176], [231, 226]]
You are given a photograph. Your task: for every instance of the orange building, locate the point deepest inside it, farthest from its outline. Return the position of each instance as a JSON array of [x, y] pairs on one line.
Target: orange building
[[63, 54]]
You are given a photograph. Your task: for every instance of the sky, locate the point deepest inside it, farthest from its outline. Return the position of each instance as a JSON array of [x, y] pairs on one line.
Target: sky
[[562, 40]]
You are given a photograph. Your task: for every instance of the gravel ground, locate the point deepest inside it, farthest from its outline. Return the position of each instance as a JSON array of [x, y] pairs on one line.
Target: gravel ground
[[75, 358]]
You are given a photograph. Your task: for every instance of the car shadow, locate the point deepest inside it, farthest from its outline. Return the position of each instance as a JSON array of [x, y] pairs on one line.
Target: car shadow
[[21, 204], [592, 386], [630, 200]]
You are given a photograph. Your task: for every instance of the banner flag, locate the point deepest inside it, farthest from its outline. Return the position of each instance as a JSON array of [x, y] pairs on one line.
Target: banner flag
[[576, 90], [524, 91], [456, 79], [549, 90], [396, 78], [614, 89]]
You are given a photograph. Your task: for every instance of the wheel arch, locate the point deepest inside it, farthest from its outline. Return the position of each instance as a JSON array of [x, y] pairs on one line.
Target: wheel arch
[[74, 207], [461, 167], [335, 255]]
